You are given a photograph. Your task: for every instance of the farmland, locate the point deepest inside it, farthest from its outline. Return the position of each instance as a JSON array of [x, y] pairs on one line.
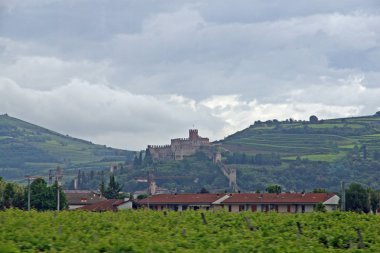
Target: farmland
[[152, 231], [326, 140]]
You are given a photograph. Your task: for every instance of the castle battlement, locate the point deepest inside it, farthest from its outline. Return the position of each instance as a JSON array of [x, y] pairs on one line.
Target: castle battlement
[[179, 147], [179, 139], [159, 146]]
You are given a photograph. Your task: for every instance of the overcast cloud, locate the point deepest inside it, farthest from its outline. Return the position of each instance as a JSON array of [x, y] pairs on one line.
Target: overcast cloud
[[127, 73]]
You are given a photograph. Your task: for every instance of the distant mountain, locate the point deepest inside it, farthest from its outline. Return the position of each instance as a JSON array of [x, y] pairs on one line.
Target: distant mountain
[[29, 149]]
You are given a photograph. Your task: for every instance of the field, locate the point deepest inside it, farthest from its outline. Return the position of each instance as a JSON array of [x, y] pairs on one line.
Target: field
[[151, 231]]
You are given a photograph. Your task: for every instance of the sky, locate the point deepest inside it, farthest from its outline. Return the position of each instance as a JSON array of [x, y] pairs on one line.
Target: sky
[[128, 73]]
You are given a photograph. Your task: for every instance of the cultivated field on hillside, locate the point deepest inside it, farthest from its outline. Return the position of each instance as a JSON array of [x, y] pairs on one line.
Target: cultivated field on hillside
[[326, 140], [152, 231]]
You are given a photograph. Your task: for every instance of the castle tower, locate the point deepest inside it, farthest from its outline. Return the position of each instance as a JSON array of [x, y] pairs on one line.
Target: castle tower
[[193, 134]]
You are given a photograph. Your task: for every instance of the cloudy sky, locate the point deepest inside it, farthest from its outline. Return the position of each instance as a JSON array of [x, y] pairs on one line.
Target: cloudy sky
[[127, 73]]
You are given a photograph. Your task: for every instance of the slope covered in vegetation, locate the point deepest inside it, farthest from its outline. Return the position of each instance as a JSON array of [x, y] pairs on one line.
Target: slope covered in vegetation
[[302, 155], [29, 149]]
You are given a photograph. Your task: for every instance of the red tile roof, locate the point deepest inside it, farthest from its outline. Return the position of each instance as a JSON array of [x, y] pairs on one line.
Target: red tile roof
[[105, 205], [82, 197], [204, 198], [278, 198]]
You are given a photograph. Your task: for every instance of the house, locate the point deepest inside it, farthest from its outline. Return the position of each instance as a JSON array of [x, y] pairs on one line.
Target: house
[[80, 198], [181, 202], [282, 202], [109, 205], [237, 202]]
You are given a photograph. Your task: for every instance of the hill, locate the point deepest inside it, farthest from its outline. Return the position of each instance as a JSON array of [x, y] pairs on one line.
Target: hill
[[297, 155], [323, 140], [29, 149], [301, 155]]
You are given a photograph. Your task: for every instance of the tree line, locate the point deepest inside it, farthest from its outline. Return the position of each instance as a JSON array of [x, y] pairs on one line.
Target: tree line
[[42, 196]]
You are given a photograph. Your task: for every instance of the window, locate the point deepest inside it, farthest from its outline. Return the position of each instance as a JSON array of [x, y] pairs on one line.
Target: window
[[229, 208], [254, 208], [303, 208], [241, 208]]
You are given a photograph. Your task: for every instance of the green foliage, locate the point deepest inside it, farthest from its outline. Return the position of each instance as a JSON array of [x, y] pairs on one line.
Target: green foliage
[[113, 189], [11, 195], [313, 119], [204, 190], [152, 231], [142, 196], [273, 189], [357, 199], [320, 190], [25, 147], [320, 207], [44, 197]]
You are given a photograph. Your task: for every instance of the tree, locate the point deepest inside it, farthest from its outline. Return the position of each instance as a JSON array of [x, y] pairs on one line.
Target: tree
[[204, 190], [53, 196], [273, 189], [142, 196], [43, 197], [319, 190], [113, 189], [320, 207], [313, 119], [357, 198], [102, 187], [9, 195], [148, 157]]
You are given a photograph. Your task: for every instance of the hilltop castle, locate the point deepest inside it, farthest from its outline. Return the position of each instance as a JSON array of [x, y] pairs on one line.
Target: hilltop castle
[[179, 148]]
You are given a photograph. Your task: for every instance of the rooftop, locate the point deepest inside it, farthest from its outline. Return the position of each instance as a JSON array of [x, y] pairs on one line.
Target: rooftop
[[278, 198]]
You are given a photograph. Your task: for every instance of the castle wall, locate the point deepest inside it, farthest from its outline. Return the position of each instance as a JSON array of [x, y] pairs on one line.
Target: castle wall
[[180, 147]]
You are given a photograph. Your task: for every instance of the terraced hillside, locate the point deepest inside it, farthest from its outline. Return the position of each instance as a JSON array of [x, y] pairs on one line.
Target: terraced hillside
[[325, 140], [29, 149]]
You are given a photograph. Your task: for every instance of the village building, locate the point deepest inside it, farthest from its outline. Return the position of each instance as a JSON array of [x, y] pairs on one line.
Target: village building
[[238, 202], [181, 202], [282, 202], [179, 148], [109, 205], [79, 198]]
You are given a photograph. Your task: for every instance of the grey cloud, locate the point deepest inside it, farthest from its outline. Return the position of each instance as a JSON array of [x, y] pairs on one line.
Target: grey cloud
[[133, 68]]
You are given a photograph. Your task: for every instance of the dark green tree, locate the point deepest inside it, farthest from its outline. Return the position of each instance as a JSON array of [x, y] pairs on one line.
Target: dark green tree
[[113, 189], [148, 158], [313, 119], [53, 196], [319, 190], [102, 187], [43, 197], [273, 189], [204, 190], [8, 195], [357, 198]]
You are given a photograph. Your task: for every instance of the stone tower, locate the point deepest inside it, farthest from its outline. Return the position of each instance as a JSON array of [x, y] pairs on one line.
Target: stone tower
[[193, 134]]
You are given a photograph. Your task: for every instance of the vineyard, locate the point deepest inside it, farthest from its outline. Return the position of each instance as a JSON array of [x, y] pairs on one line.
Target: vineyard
[[151, 231]]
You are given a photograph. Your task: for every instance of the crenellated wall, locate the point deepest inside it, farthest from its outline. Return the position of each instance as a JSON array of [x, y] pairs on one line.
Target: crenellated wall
[[179, 147]]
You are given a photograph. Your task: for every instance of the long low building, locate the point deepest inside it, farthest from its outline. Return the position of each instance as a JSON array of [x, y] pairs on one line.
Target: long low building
[[238, 202]]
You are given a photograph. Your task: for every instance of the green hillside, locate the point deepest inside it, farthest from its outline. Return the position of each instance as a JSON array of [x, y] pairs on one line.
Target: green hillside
[[297, 155], [325, 140], [29, 149], [303, 155]]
